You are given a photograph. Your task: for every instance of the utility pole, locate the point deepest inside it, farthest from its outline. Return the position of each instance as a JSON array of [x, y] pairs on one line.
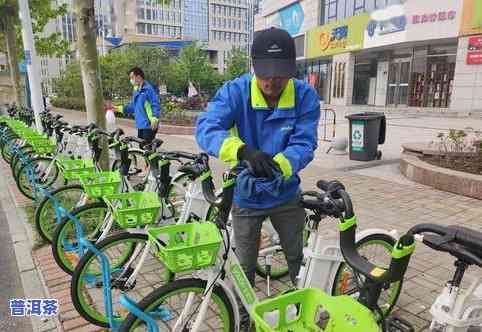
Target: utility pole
[[32, 61]]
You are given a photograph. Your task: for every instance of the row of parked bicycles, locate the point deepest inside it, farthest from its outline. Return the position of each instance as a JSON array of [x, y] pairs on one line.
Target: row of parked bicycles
[[149, 243]]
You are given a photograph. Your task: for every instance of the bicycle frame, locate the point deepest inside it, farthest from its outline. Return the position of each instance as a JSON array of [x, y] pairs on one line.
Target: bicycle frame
[[455, 309], [190, 196], [323, 258], [235, 276]]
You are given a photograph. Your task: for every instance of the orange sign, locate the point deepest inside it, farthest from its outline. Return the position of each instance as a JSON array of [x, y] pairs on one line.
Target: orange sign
[[471, 18], [325, 39]]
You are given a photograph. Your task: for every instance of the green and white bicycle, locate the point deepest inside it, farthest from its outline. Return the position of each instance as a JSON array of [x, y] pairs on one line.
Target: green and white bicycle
[[208, 302]]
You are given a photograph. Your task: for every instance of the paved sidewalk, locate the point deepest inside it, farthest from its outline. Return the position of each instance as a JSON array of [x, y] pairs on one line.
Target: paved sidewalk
[[379, 202]]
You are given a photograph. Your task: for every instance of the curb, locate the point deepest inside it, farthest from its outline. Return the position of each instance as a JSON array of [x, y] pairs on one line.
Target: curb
[[445, 179], [22, 235]]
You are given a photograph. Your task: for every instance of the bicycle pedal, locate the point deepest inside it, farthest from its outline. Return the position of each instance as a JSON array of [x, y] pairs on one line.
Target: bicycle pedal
[[397, 324]]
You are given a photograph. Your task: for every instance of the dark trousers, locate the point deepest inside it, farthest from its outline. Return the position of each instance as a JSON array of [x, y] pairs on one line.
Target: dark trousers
[[288, 220], [146, 134]]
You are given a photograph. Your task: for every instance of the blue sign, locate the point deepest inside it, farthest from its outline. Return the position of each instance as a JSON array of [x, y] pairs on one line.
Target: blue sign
[[292, 18], [115, 41], [28, 57], [23, 67]]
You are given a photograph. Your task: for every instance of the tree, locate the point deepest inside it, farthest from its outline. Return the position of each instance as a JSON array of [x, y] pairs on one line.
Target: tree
[[114, 66], [69, 84], [10, 36], [89, 68], [42, 12], [237, 64], [7, 27], [193, 66]]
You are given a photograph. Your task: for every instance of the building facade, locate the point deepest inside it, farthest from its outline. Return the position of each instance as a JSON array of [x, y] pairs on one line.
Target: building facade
[[397, 53], [218, 25]]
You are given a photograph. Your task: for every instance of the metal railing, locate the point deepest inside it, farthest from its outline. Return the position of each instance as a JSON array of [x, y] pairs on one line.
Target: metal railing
[[326, 120]]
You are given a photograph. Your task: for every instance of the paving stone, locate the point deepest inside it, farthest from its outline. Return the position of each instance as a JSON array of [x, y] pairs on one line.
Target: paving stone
[[74, 323]]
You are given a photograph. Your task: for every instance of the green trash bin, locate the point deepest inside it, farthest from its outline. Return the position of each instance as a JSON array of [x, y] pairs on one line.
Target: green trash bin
[[367, 131]]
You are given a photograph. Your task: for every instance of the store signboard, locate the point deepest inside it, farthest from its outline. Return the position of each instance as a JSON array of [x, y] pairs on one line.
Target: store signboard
[[413, 20], [433, 19], [471, 18], [386, 26], [337, 37], [474, 50], [290, 18]]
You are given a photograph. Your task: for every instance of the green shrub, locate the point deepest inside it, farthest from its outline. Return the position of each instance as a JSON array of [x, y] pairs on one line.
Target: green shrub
[[171, 107], [71, 103]]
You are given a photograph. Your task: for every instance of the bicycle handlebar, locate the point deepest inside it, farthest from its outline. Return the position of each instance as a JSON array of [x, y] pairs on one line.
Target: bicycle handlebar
[[190, 156], [461, 242], [225, 200], [336, 202]]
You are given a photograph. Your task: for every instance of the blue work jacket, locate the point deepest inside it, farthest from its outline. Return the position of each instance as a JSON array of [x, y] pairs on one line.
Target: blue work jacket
[[144, 105], [239, 114]]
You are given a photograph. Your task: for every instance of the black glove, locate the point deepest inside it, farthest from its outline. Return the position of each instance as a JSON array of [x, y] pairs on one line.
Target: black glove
[[260, 163]]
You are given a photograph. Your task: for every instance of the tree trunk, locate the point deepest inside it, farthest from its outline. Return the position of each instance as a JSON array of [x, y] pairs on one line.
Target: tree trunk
[[12, 54], [89, 67]]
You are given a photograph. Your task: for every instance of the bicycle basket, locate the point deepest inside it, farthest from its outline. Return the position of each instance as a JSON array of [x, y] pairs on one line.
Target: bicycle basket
[[42, 145], [186, 247], [100, 184], [72, 169], [28, 132], [134, 209], [311, 309]]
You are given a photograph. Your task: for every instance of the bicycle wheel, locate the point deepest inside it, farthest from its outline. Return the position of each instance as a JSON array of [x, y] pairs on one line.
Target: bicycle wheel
[[165, 304], [45, 217], [138, 168], [46, 173], [16, 162], [87, 286], [65, 248], [377, 249], [279, 266], [7, 149]]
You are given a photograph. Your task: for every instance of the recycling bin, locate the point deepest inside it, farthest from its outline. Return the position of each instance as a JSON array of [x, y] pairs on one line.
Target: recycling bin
[[367, 131]]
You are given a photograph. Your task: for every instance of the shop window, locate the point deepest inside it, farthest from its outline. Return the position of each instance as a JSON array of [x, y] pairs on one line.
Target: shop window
[[431, 79], [141, 28], [300, 46], [322, 12], [339, 80], [332, 10], [380, 4], [358, 7]]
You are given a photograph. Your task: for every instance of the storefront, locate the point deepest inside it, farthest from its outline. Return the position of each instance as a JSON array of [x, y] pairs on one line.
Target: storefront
[[417, 47], [317, 74], [329, 73]]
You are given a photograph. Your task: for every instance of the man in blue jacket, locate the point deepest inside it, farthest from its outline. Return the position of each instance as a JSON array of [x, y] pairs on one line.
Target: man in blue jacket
[[269, 121], [144, 105]]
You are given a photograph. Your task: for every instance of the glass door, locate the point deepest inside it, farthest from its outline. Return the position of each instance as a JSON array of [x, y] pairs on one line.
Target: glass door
[[398, 77]]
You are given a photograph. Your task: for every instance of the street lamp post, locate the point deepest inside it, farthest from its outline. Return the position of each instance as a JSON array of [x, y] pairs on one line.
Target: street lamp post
[[32, 62]]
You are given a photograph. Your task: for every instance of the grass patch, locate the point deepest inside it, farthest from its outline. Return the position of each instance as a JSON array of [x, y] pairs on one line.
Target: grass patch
[[30, 213]]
